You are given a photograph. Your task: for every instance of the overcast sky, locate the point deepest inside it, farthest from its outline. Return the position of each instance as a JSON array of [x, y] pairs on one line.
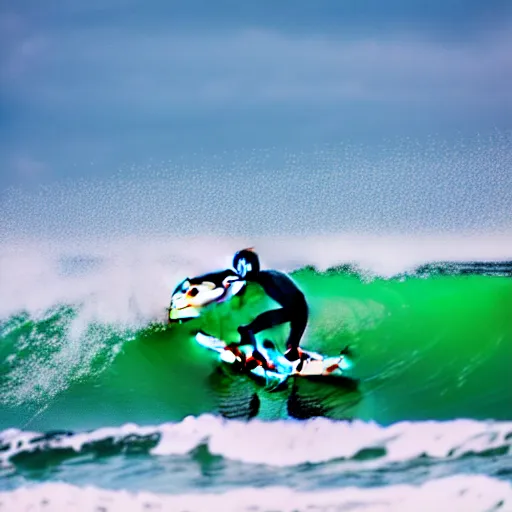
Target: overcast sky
[[101, 88]]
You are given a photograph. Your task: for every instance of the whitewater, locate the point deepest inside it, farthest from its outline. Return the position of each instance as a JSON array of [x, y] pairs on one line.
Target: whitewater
[[129, 279]]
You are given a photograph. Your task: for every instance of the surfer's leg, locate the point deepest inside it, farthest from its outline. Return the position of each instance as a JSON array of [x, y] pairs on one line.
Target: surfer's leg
[[260, 323], [298, 323], [269, 319]]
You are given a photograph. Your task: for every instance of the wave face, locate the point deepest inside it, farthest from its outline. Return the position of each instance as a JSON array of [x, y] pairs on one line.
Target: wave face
[[90, 376], [83, 344]]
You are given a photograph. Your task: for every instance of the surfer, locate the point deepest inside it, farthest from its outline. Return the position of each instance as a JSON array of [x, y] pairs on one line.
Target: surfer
[[281, 288]]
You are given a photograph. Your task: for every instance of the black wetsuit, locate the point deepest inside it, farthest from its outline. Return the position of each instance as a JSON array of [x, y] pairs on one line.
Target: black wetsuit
[[279, 287], [294, 308]]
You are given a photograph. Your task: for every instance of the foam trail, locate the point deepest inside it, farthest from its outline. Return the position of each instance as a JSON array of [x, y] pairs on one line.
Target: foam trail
[[468, 493]]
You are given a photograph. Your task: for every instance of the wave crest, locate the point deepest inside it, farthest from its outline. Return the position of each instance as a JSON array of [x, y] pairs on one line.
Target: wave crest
[[278, 443]]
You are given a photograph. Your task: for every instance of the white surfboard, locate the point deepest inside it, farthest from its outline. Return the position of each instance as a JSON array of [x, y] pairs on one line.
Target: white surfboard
[[315, 365]]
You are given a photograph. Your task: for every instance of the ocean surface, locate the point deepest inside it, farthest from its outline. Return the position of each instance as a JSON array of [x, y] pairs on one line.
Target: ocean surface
[[105, 407]]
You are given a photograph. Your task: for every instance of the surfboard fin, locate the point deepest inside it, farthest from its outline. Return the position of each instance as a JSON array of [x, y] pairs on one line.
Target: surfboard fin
[[347, 351]]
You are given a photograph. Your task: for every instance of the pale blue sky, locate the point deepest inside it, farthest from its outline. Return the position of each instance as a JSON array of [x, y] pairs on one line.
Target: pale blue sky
[[105, 88]]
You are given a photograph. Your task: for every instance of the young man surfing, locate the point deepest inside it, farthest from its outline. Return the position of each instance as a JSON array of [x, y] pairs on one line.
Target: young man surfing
[[281, 288]]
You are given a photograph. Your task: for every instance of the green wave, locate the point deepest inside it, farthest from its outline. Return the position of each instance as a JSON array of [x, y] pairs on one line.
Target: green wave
[[433, 344]]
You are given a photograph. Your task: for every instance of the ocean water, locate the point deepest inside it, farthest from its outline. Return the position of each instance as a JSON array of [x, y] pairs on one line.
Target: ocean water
[[104, 407]]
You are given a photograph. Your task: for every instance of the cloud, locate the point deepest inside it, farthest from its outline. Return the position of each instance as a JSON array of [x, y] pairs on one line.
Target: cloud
[[250, 68], [27, 168], [95, 83], [20, 49]]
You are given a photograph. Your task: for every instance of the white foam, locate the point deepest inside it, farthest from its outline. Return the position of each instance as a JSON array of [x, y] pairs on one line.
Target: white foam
[[289, 443], [74, 350], [461, 492], [135, 277], [286, 443]]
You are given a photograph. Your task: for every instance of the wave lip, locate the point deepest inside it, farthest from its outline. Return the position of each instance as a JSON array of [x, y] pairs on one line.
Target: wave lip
[[461, 492], [129, 281], [280, 443]]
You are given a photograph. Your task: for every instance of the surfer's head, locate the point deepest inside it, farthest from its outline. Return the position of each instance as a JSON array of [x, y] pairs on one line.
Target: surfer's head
[[246, 264]]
